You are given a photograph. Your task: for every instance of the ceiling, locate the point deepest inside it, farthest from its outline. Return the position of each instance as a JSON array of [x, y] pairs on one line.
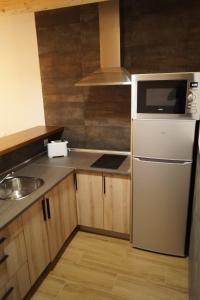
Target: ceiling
[[20, 6]]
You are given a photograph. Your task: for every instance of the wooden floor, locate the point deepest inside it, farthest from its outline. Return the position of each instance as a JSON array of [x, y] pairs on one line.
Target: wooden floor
[[95, 267]]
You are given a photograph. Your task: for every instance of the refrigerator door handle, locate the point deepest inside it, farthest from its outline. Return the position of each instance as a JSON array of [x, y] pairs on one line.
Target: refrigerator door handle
[[166, 161]]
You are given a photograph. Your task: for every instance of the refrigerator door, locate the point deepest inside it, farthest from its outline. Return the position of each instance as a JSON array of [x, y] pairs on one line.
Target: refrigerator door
[[160, 203], [165, 139]]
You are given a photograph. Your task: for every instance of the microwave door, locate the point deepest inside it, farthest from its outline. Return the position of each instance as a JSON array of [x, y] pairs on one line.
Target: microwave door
[[160, 203], [161, 96]]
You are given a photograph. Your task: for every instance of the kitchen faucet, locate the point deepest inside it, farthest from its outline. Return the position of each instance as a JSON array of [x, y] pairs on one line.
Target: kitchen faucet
[[8, 176]]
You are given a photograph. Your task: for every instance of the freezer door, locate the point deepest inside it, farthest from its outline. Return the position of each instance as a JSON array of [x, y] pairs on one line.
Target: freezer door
[[160, 204], [165, 139]]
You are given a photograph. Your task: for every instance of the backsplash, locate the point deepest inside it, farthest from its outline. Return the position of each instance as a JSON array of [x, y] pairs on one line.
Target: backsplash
[[93, 117]]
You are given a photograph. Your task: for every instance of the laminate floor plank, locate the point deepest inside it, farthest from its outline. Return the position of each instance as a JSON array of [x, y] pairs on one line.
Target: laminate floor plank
[[95, 267]]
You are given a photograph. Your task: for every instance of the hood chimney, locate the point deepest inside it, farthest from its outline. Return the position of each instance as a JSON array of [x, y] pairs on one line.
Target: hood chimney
[[110, 72]]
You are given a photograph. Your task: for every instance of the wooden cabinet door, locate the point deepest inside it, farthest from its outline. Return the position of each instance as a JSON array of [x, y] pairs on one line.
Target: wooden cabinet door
[[23, 281], [116, 203], [36, 240], [61, 213], [68, 206], [90, 199], [54, 223]]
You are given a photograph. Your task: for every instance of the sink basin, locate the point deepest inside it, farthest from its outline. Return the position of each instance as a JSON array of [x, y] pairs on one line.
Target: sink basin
[[18, 187]]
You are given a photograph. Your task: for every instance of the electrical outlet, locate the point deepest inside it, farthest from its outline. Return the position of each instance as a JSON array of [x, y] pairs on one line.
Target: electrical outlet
[[45, 142]]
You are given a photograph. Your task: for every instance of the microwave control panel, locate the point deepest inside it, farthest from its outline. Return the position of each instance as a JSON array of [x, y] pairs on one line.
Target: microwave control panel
[[193, 101]]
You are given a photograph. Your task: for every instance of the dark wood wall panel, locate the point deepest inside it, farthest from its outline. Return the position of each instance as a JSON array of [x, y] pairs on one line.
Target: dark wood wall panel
[[156, 36], [103, 121], [68, 42], [160, 36]]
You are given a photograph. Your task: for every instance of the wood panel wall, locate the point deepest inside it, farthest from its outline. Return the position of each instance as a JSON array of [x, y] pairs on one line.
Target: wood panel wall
[[97, 117], [160, 36], [156, 36], [194, 255]]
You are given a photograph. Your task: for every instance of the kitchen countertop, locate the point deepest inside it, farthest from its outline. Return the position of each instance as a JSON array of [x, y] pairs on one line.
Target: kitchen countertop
[[52, 171], [82, 161]]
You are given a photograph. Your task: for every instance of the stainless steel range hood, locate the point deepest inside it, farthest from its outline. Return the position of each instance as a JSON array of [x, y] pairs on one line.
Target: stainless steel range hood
[[110, 72]]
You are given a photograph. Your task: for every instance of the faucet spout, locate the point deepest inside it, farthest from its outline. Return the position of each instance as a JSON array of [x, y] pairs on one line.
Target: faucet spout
[[10, 175]]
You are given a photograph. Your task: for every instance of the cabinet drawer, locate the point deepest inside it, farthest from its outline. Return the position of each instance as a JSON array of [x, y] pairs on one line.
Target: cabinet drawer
[[12, 251], [12, 257], [10, 290], [12, 230], [16, 251], [3, 271], [17, 286]]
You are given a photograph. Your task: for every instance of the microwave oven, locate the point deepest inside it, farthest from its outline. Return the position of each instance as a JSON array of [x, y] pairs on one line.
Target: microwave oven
[[166, 95]]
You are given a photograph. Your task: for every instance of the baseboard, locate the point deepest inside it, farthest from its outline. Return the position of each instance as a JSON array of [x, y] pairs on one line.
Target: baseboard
[[114, 234]]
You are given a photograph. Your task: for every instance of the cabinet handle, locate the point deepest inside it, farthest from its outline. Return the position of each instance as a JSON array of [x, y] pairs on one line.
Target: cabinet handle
[[7, 293], [104, 184], [3, 239], [48, 208], [43, 209], [3, 258], [75, 182]]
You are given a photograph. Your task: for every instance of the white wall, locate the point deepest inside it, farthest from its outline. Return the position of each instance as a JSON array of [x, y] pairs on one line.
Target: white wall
[[21, 103]]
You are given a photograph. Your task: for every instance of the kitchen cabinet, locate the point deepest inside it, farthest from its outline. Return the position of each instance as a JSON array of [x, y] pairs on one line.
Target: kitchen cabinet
[[36, 239], [61, 214], [54, 222], [14, 274], [89, 199], [47, 224], [116, 194], [103, 201]]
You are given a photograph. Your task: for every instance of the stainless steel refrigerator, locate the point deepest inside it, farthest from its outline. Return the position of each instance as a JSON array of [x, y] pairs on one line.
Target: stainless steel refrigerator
[[161, 170]]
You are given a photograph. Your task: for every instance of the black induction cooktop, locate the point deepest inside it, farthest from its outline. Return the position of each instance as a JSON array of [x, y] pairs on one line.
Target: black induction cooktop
[[109, 161]]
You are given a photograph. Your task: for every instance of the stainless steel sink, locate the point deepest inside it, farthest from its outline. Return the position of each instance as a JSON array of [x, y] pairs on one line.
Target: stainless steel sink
[[18, 187]]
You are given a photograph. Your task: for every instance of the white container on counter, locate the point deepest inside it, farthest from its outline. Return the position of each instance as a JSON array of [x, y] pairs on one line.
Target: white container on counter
[[57, 149]]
